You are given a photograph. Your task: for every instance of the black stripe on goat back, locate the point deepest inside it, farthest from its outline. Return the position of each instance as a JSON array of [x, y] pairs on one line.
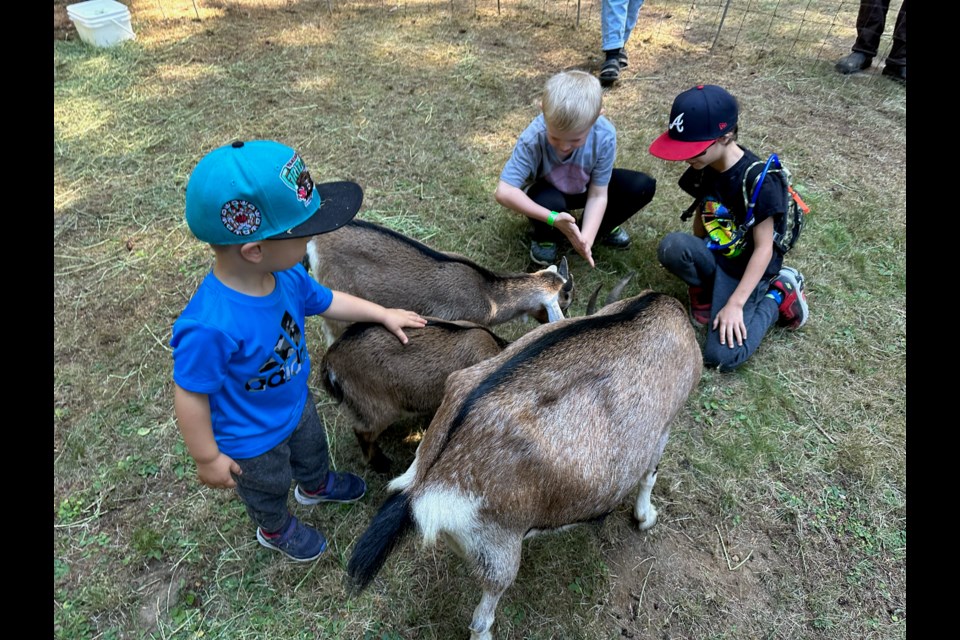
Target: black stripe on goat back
[[424, 249], [357, 329], [453, 327], [544, 344]]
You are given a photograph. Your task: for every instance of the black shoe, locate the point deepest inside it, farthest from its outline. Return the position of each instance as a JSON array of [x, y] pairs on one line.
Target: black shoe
[[610, 72], [617, 238], [622, 59], [896, 71], [854, 62]]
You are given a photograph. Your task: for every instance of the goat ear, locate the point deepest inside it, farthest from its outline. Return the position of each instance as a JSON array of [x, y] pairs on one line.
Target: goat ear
[[568, 285], [564, 268]]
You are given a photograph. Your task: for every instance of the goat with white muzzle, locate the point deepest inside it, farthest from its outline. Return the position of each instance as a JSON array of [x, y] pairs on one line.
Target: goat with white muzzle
[[393, 270]]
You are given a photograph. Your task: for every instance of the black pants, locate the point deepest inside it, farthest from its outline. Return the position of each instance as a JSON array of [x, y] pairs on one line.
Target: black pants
[[870, 24], [628, 192]]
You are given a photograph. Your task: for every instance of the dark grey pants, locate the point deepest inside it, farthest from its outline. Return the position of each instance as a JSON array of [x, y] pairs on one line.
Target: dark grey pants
[[687, 257], [264, 485]]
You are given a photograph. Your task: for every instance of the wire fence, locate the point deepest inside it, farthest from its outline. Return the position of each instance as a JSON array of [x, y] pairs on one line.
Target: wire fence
[[806, 29], [814, 29]]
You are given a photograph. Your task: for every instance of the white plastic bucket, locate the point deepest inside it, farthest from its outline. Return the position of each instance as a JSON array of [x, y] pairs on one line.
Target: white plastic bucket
[[102, 23]]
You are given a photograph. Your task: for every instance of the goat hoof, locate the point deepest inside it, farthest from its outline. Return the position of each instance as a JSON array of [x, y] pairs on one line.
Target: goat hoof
[[647, 520]]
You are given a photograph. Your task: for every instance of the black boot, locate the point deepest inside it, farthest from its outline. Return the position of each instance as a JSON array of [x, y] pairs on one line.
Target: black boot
[[854, 62]]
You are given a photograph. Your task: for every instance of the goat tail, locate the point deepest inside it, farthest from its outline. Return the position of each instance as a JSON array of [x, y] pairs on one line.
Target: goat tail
[[330, 381], [386, 530]]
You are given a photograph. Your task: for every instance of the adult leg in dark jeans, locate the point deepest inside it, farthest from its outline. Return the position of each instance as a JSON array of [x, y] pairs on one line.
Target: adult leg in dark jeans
[[871, 22], [871, 19], [896, 63]]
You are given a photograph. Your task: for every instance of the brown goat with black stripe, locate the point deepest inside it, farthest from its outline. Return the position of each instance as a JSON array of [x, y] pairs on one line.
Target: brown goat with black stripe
[[555, 430], [379, 380]]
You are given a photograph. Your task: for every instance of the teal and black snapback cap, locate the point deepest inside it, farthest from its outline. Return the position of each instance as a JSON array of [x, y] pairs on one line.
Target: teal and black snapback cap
[[262, 190]]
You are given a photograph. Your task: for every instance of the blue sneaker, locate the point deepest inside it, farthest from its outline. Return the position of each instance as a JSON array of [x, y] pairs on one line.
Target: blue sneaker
[[296, 541], [339, 487]]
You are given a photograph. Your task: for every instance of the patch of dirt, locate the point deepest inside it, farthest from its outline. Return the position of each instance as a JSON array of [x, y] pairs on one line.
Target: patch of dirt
[[63, 28]]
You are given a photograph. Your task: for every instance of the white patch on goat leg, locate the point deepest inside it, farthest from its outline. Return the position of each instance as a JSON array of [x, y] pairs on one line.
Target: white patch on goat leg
[[646, 513], [483, 616], [498, 562], [447, 510]]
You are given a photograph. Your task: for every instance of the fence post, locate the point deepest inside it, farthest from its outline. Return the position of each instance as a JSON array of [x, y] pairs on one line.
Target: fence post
[[720, 26]]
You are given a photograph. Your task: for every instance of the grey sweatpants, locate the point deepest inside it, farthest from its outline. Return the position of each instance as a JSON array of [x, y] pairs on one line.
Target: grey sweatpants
[[687, 257]]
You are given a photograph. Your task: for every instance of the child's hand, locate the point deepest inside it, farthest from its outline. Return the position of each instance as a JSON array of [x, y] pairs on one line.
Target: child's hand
[[397, 318], [732, 327], [218, 472], [567, 225]]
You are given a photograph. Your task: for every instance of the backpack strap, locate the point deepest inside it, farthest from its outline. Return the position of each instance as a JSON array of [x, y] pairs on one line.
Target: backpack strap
[[689, 210], [752, 200]]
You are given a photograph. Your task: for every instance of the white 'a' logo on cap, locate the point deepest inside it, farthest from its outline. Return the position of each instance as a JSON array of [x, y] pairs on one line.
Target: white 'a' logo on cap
[[678, 123]]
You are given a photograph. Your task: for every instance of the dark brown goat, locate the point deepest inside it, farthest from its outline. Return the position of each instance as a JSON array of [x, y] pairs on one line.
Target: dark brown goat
[[380, 380], [379, 264], [555, 430]]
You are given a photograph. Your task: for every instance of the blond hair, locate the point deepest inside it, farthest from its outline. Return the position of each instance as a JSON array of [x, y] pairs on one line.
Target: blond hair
[[571, 101]]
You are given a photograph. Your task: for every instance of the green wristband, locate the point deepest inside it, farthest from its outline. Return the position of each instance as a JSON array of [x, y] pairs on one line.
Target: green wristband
[[551, 217]]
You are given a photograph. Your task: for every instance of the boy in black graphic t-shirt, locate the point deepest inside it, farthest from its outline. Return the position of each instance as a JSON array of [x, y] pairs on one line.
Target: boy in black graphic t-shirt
[[737, 284]]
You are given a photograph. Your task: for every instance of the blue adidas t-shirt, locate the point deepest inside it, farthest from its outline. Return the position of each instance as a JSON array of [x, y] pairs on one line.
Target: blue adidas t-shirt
[[249, 355], [533, 158]]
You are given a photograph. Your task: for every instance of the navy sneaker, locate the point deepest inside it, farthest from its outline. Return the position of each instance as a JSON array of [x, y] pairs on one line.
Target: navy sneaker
[[617, 238], [543, 253], [793, 309], [297, 541], [339, 487]]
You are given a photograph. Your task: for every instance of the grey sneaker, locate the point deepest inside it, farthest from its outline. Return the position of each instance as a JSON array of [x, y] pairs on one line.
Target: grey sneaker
[[853, 63], [543, 253], [617, 238]]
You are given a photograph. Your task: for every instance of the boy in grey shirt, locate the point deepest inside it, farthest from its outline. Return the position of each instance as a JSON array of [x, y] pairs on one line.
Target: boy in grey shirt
[[564, 161]]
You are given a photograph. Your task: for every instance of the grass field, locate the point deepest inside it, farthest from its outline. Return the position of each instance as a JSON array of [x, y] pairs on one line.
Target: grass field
[[782, 492]]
